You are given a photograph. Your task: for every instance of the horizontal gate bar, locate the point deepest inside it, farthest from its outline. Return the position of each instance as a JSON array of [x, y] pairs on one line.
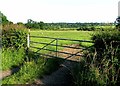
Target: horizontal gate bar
[[57, 45], [54, 56], [55, 51]]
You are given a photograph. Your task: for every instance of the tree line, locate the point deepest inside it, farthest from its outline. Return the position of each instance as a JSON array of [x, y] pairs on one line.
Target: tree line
[[62, 25], [66, 26]]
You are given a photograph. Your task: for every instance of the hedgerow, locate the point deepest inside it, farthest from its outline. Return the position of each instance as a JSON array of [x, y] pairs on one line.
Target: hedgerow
[[103, 38], [14, 36]]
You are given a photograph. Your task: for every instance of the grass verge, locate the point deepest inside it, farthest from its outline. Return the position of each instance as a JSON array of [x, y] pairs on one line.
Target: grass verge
[[12, 57], [35, 68]]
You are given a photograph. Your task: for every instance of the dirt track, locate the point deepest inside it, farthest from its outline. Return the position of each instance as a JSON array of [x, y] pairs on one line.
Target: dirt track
[[61, 77]]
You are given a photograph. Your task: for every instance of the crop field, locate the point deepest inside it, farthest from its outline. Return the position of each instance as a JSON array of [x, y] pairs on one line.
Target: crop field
[[76, 35]]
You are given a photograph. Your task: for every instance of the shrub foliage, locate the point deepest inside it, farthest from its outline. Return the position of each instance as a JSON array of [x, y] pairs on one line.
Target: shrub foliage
[[14, 36], [108, 38]]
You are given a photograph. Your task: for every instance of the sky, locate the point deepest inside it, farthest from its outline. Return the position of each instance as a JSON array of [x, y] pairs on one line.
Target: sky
[[60, 10]]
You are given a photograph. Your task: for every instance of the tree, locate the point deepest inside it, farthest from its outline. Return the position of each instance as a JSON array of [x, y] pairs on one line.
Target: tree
[[4, 19], [41, 24], [118, 23], [29, 23]]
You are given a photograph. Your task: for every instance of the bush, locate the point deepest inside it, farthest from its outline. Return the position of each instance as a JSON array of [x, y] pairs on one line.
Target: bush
[[92, 28], [103, 38], [14, 36]]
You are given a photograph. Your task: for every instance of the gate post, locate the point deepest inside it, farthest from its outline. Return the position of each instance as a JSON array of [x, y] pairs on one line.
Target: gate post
[[28, 45], [56, 47], [28, 39]]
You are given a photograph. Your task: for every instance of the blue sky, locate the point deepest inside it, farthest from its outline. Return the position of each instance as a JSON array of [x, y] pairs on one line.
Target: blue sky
[[60, 10]]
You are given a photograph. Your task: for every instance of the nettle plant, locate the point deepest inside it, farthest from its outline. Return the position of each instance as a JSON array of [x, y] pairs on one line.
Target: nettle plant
[[14, 36]]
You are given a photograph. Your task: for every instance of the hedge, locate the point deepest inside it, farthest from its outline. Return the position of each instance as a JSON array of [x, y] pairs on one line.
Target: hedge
[[14, 36]]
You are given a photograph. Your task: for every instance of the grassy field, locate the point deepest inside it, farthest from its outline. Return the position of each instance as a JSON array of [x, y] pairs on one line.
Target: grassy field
[[77, 35], [81, 35]]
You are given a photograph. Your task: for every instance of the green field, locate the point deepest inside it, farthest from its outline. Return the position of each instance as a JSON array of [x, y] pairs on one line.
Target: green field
[[81, 35], [77, 35]]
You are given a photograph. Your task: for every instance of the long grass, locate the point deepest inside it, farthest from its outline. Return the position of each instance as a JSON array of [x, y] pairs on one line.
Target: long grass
[[98, 69], [11, 57], [33, 69]]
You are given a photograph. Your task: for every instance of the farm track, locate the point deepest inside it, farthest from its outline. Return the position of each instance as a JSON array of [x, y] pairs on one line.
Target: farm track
[[61, 77]]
